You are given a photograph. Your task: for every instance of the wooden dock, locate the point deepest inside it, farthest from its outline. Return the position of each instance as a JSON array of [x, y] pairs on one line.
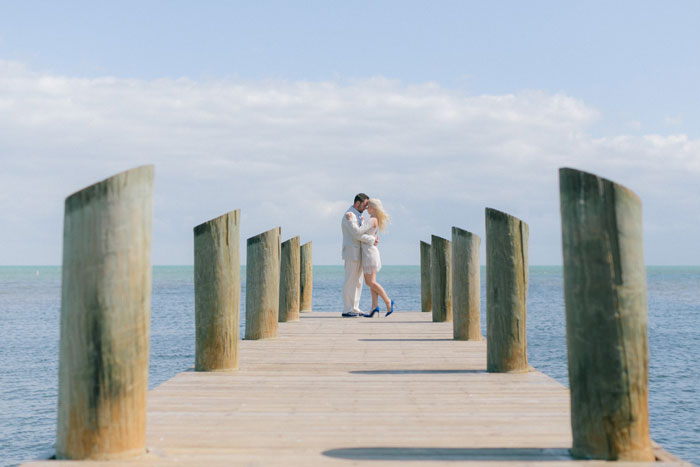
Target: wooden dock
[[334, 391]]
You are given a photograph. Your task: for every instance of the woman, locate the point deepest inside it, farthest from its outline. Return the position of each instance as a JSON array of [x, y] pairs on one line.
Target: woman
[[371, 262]]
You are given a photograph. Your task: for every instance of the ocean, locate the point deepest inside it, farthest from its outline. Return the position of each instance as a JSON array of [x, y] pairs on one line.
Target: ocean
[[30, 308]]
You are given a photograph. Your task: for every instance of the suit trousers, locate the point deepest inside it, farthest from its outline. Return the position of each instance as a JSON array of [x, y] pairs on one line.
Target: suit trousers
[[353, 286]]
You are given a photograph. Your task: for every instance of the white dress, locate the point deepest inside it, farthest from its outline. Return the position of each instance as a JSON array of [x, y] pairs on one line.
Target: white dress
[[371, 262], [370, 253]]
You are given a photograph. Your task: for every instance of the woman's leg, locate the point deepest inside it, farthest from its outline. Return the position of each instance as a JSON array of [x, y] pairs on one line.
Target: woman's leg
[[371, 281], [368, 281]]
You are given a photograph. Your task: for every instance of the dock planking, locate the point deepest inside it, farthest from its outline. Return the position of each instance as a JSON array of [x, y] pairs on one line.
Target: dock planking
[[334, 391]]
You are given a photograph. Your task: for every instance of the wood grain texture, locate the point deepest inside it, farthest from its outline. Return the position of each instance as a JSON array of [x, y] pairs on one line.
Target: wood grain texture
[[290, 272], [217, 292], [606, 317], [441, 279], [426, 300], [262, 285], [466, 285], [506, 292], [306, 280], [339, 391], [105, 316]]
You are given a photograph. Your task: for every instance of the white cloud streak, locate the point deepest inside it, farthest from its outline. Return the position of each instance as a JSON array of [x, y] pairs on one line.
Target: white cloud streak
[[295, 153]]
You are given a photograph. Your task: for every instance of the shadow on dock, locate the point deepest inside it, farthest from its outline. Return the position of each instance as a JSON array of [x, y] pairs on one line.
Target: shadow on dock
[[405, 340], [450, 454], [415, 372]]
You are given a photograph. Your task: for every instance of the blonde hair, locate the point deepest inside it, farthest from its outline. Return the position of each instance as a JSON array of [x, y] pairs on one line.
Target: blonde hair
[[382, 216]]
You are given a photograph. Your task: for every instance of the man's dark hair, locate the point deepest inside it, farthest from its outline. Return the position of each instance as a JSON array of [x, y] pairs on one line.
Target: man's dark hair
[[361, 197]]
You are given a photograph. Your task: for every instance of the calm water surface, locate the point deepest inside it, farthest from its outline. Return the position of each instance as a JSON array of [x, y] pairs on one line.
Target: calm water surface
[[30, 303]]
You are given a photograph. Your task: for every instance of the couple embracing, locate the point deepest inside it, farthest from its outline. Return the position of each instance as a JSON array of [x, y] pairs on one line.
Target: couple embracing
[[361, 255]]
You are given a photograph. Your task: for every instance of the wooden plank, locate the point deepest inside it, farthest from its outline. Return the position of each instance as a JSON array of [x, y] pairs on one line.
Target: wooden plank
[[339, 391]]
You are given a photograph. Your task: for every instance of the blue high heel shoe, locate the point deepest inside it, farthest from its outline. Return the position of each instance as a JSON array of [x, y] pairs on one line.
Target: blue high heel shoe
[[371, 313], [390, 311]]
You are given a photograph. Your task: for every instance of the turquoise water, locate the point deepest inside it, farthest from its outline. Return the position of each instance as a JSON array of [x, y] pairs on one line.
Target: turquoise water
[[30, 304]]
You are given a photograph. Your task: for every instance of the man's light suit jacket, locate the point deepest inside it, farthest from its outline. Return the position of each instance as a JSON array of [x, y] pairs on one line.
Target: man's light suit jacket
[[352, 241]]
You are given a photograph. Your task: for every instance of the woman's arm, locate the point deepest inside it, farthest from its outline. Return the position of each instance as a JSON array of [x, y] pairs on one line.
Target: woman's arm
[[358, 230]]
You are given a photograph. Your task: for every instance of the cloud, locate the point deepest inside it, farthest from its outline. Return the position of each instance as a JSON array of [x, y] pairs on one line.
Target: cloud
[[673, 120], [295, 153]]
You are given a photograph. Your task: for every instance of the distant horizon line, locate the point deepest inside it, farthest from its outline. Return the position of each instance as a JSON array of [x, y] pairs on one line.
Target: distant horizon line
[[321, 265]]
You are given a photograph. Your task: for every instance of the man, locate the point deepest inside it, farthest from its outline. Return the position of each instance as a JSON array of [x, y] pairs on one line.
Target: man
[[352, 256]]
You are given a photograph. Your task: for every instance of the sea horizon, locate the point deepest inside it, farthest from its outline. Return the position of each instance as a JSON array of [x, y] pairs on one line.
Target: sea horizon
[[340, 264]]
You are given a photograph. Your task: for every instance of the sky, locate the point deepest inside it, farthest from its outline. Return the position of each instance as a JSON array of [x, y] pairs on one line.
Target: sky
[[286, 110]]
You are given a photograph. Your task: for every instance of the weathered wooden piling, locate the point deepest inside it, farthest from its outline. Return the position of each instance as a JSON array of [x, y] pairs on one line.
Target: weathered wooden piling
[[306, 279], [262, 285], [506, 292], [466, 285], [217, 292], [441, 279], [426, 300], [290, 273], [105, 315], [606, 317]]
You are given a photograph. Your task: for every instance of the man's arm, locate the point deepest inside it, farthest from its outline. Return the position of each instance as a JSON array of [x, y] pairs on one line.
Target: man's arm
[[369, 239], [359, 232]]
